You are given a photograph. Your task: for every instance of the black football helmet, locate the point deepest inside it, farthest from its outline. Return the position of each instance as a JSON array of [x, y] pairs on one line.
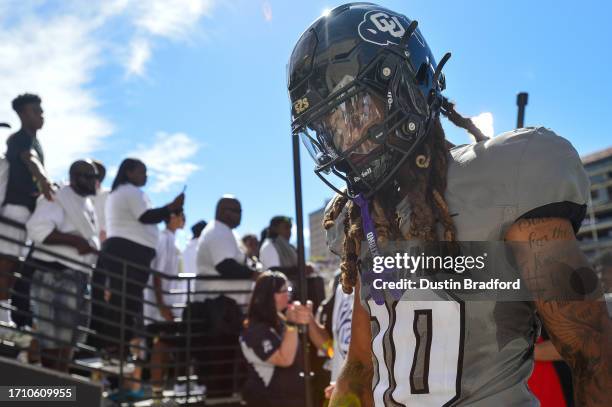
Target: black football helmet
[[365, 90]]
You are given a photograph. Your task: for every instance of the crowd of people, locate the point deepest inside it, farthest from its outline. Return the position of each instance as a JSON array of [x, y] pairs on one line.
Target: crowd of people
[[91, 252]]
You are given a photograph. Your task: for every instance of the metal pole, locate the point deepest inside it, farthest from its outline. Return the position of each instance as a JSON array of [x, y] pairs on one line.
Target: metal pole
[[187, 370], [122, 327], [521, 102], [297, 180]]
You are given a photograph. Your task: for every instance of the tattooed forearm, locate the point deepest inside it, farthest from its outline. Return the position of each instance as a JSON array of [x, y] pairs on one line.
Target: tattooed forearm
[[568, 297], [580, 330], [353, 388]]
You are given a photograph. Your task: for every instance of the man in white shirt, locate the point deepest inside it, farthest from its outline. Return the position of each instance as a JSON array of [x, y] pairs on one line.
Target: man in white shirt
[[66, 226], [219, 254]]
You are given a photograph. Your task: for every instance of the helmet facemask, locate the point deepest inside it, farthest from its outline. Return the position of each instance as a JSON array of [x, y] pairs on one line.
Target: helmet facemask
[[362, 134]]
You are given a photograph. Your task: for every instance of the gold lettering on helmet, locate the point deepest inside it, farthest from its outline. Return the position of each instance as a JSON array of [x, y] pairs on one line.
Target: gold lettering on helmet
[[300, 105]]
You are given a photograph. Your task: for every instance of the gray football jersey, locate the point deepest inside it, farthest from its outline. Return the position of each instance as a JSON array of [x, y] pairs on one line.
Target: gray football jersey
[[473, 353]]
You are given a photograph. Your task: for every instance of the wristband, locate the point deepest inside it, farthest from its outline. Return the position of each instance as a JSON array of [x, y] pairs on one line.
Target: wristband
[[291, 328]]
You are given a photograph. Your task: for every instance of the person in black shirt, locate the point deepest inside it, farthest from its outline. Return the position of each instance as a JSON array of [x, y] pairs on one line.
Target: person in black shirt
[[271, 346], [27, 179]]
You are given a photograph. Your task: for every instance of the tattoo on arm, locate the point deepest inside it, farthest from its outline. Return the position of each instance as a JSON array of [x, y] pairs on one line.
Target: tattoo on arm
[[569, 302]]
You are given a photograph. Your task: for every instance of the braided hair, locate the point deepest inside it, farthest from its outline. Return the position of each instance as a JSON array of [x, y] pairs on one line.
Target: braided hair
[[425, 196]]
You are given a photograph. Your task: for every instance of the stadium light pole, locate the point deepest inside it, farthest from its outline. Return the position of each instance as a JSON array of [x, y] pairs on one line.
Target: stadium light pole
[[297, 183], [521, 102]]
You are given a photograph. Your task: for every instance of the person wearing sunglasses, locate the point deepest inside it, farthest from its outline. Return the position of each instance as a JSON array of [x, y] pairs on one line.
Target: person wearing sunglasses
[[270, 344], [66, 226], [220, 254]]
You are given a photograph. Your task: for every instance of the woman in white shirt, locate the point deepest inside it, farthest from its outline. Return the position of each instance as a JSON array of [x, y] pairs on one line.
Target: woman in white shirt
[[131, 241]]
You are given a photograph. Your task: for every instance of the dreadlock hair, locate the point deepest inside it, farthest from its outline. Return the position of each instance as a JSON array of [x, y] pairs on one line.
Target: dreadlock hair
[[425, 196]]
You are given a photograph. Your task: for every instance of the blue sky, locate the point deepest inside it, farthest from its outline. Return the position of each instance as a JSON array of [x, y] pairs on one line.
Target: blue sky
[[197, 87]]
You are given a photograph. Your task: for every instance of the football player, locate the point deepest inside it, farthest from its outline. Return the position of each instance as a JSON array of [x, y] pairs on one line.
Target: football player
[[366, 96]]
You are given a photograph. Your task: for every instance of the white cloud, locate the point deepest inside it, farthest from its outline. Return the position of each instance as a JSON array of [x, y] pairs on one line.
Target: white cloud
[[171, 18], [55, 58], [484, 121], [140, 53], [167, 160], [266, 8], [54, 48]]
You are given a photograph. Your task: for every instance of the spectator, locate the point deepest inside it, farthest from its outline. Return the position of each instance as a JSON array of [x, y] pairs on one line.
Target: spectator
[[342, 316], [100, 199], [219, 253], [276, 252], [190, 253], [132, 236], [158, 312], [251, 246], [271, 346], [26, 180], [167, 260], [66, 226], [275, 249]]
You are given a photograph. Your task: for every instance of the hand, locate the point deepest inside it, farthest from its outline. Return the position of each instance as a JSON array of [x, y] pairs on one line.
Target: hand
[[83, 247], [166, 313], [177, 203], [302, 314], [329, 390], [107, 295]]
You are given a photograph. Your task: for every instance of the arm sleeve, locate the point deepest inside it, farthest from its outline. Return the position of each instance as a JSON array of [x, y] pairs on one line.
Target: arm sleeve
[[154, 216], [137, 201], [222, 246], [262, 340], [552, 180], [231, 269], [269, 256], [45, 219], [16, 145], [161, 254]]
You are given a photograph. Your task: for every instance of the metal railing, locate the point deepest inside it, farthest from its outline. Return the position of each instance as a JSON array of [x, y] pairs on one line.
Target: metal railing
[[188, 347]]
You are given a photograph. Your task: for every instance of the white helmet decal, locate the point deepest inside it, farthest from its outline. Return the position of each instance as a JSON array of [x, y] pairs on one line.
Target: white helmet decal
[[382, 28]]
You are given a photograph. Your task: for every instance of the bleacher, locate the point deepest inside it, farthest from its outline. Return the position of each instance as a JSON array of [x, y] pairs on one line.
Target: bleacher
[[102, 362]]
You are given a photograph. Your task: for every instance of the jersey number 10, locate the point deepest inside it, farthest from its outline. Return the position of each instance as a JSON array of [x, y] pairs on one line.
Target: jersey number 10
[[418, 352]]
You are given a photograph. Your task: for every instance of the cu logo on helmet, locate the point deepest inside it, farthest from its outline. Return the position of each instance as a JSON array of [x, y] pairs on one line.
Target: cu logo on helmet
[[381, 28]]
